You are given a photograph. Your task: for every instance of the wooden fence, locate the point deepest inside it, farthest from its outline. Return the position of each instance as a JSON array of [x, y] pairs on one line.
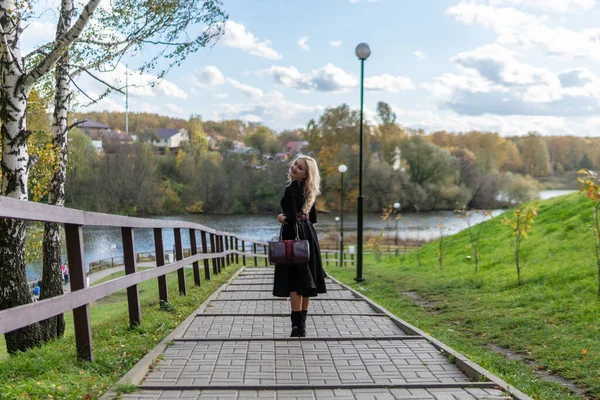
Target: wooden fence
[[224, 248]]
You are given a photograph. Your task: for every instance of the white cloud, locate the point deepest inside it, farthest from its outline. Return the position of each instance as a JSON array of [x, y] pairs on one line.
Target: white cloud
[[208, 77], [335, 43], [174, 109], [273, 110], [431, 120], [498, 65], [388, 83], [333, 79], [518, 28], [251, 118], [559, 6], [302, 43], [140, 85], [419, 54], [250, 91], [221, 95], [492, 81], [238, 37]]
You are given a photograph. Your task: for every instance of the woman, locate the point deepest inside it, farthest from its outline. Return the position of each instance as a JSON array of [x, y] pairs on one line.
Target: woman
[[300, 282]]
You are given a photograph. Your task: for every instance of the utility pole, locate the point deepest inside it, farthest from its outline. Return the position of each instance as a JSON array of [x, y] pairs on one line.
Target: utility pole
[[126, 100]]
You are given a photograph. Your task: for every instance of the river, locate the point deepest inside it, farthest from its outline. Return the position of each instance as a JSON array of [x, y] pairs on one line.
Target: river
[[98, 241]]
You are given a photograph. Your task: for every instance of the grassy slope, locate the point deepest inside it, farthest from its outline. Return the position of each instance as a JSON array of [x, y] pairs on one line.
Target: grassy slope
[[52, 371], [552, 319]]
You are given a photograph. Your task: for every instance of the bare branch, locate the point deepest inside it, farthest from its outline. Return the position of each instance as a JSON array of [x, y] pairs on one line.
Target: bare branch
[[74, 124], [82, 91], [60, 46], [102, 81]]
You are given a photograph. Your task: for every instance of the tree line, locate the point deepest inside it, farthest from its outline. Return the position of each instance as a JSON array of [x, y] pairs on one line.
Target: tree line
[[423, 172]]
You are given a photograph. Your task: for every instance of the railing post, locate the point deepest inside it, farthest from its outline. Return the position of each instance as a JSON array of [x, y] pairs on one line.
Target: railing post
[[163, 291], [237, 256], [327, 259], [220, 265], [244, 253], [179, 256], [133, 296], [81, 315], [266, 256], [213, 250], [255, 258], [227, 248], [231, 247], [194, 251], [222, 249], [205, 251]]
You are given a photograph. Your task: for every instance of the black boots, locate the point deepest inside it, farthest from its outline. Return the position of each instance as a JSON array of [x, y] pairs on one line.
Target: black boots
[[296, 322], [302, 330]]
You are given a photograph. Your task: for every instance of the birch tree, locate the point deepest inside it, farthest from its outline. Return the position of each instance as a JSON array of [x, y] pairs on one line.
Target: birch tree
[[124, 27], [17, 80]]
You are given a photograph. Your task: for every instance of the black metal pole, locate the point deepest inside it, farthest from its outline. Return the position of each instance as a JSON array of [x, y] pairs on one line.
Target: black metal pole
[[359, 235], [342, 226]]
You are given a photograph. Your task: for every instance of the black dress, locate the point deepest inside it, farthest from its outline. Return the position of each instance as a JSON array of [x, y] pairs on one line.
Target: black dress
[[305, 279]]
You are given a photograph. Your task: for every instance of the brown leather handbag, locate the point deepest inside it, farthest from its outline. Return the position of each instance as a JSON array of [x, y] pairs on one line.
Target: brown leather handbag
[[286, 252]]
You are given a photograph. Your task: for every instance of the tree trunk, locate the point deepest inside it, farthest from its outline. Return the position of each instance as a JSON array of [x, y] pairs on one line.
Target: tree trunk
[[13, 283], [52, 282], [15, 172], [52, 273]]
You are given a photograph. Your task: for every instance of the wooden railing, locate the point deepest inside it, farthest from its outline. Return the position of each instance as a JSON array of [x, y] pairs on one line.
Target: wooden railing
[[224, 247]]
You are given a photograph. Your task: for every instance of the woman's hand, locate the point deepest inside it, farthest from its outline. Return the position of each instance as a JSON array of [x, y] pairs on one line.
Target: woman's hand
[[281, 218]]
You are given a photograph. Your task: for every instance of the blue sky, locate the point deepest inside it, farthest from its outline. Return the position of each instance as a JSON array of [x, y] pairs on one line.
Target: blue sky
[[509, 66]]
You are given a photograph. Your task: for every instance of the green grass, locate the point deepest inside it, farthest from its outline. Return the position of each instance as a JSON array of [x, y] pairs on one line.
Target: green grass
[[53, 372], [552, 319]]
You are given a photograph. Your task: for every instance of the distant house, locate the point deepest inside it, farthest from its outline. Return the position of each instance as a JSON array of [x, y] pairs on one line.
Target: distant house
[[295, 147], [93, 129], [112, 141], [171, 138], [291, 149]]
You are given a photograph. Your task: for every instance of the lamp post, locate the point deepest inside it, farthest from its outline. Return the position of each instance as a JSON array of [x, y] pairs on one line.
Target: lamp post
[[342, 169], [337, 219], [363, 52], [397, 208]]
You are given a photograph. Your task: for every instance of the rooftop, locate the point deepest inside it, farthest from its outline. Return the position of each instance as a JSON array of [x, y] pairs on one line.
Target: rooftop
[[91, 124]]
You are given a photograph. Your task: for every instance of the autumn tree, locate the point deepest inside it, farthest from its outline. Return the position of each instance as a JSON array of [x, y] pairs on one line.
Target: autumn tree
[[591, 188], [388, 135], [520, 223], [263, 140], [534, 153], [336, 126], [196, 130]]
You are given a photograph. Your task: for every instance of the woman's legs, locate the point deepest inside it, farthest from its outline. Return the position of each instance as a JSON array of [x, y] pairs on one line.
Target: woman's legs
[[296, 303], [305, 303]]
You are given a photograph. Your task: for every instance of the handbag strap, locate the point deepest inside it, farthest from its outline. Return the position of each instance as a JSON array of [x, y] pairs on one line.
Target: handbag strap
[[281, 232]]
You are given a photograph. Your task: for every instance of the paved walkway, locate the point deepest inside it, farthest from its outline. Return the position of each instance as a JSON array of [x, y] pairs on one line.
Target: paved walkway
[[237, 346]]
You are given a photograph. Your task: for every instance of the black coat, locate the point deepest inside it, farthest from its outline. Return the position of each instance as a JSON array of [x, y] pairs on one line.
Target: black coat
[[305, 279]]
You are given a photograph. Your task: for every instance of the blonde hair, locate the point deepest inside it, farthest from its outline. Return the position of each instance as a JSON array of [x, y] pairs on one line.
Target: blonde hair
[[312, 185]]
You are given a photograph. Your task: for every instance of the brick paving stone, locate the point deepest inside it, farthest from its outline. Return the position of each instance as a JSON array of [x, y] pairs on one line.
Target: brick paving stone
[[245, 295], [307, 362], [304, 362], [321, 394], [280, 307], [269, 287], [248, 326]]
